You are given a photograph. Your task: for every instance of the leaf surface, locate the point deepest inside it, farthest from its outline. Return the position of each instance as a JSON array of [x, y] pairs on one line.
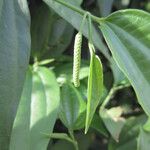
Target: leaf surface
[[105, 7], [128, 37], [75, 20], [143, 140], [95, 88], [113, 121], [72, 108], [14, 57], [37, 112]]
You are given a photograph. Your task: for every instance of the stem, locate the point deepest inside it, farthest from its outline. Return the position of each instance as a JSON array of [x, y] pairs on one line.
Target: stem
[[36, 63], [73, 139], [90, 28], [113, 90], [78, 10], [46, 61], [61, 136], [83, 21]]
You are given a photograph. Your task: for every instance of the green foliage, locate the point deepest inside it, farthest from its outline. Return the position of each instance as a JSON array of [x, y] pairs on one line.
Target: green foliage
[[105, 7], [55, 33], [129, 133], [95, 86], [143, 140], [127, 35], [147, 126], [72, 107], [113, 121], [75, 20], [14, 57], [61, 98], [37, 111], [98, 125]]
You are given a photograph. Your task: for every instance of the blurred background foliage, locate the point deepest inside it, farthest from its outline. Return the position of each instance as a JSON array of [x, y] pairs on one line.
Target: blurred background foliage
[[53, 38]]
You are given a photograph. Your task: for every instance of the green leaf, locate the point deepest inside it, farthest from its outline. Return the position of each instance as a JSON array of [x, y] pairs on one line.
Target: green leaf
[[65, 71], [113, 121], [146, 126], [105, 7], [14, 57], [37, 112], [127, 35], [129, 134], [95, 88], [84, 142], [62, 136], [20, 132], [75, 20], [98, 125], [72, 108], [40, 13], [55, 33], [45, 62], [119, 77], [60, 37], [143, 140]]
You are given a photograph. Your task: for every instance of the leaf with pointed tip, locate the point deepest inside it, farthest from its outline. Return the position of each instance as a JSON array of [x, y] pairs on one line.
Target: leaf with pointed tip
[[72, 107], [95, 88], [37, 111], [59, 136], [127, 35]]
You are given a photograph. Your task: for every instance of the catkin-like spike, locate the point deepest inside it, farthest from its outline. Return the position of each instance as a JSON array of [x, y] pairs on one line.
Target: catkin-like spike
[[77, 59]]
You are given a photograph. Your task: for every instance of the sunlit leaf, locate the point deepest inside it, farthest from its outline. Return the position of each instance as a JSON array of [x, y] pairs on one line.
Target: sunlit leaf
[[95, 88], [127, 35], [37, 111]]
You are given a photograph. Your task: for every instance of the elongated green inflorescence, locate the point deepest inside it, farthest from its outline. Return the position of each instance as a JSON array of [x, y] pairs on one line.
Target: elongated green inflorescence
[[77, 59]]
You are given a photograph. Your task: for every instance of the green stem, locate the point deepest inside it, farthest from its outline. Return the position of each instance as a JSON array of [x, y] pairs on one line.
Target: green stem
[[64, 136], [78, 10], [75, 143], [36, 63], [111, 93], [83, 22], [61, 136], [90, 28]]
